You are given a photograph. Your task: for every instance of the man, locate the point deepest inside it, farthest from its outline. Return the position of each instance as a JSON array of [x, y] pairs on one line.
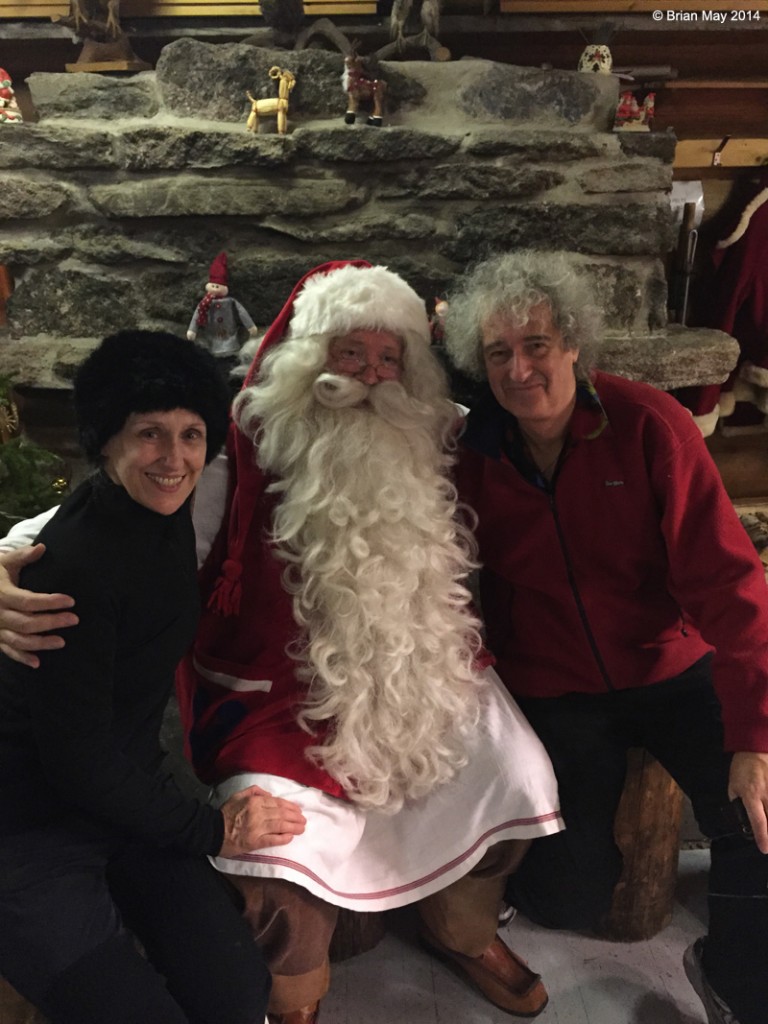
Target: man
[[617, 587], [338, 660]]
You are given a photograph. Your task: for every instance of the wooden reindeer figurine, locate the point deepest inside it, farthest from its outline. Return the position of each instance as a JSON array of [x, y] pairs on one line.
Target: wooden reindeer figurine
[[358, 86], [98, 19], [276, 105]]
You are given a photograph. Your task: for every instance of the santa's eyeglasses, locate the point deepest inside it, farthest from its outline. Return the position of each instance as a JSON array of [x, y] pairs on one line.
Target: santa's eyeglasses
[[354, 361]]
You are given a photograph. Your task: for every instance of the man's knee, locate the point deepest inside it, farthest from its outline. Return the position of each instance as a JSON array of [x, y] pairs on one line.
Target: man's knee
[[574, 912], [564, 895]]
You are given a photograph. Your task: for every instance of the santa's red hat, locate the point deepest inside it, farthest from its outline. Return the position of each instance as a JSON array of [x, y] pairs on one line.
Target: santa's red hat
[[343, 296], [218, 272]]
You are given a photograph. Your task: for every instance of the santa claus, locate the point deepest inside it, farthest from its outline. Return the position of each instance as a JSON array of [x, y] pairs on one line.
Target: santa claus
[[338, 661]]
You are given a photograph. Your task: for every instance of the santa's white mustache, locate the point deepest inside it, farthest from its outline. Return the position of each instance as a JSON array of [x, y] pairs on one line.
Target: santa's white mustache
[[336, 391]]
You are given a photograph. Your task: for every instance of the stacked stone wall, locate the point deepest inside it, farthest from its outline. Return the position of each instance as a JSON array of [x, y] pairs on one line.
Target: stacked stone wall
[[115, 202]]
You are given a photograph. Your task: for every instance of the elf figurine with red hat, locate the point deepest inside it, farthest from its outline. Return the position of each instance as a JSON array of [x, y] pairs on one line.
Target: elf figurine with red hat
[[9, 108], [218, 318]]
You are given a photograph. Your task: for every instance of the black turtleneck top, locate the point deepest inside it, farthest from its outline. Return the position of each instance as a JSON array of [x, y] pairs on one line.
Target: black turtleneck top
[[79, 736]]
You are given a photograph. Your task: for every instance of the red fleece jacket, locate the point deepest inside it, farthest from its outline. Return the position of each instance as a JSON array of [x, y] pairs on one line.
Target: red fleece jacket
[[631, 569]]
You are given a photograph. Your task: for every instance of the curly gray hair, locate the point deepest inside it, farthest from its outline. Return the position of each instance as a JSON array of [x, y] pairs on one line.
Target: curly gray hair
[[509, 286]]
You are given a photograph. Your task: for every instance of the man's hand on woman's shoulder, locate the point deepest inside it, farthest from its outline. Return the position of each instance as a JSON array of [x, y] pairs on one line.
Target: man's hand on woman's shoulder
[[27, 619]]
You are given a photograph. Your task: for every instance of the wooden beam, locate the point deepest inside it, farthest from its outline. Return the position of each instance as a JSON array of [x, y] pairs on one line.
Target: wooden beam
[[184, 8], [698, 153], [32, 9], [717, 83]]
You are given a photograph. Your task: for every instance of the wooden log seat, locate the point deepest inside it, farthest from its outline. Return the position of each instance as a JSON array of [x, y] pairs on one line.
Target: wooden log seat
[[356, 933], [647, 830]]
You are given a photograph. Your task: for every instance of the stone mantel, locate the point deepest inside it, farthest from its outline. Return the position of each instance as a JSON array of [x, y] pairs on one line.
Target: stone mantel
[[115, 202]]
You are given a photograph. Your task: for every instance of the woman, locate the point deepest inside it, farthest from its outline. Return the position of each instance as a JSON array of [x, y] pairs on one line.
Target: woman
[[94, 838]]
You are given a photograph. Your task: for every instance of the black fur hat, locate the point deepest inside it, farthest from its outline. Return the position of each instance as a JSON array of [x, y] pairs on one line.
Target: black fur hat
[[148, 371]]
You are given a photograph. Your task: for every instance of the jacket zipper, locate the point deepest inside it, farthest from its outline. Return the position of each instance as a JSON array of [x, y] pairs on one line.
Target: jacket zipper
[[575, 590]]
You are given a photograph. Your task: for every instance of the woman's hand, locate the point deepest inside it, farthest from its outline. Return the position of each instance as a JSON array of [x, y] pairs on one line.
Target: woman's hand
[[254, 818]]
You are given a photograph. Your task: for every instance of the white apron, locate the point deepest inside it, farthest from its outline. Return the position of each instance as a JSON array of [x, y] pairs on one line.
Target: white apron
[[365, 860]]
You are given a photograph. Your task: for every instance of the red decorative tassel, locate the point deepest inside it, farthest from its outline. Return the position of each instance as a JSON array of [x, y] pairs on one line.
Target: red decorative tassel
[[227, 592]]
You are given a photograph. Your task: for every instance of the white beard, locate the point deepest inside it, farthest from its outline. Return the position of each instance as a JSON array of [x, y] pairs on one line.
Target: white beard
[[376, 566]]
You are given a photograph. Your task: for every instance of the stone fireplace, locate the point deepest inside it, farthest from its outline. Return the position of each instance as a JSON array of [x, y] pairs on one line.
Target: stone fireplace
[[115, 202]]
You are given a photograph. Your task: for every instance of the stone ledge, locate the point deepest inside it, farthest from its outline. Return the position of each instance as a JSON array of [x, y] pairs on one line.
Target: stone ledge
[[209, 82], [679, 357]]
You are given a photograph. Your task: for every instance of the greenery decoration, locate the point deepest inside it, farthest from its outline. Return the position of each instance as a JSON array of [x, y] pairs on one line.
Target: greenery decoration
[[31, 478]]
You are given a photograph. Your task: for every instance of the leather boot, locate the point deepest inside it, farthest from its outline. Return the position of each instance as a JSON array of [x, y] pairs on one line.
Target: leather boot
[[500, 975], [306, 1015]]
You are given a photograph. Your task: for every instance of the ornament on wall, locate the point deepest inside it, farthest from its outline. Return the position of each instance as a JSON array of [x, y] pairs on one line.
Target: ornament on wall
[[105, 44], [9, 108], [633, 115], [360, 87], [596, 57], [219, 320], [274, 106], [9, 413]]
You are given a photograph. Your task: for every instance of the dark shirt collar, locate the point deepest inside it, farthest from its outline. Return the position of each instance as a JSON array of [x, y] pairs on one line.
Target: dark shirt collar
[[113, 498], [494, 432]]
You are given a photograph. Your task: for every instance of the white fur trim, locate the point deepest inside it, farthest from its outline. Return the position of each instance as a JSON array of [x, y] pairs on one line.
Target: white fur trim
[[351, 298], [727, 403], [754, 374], [761, 399], [743, 224], [707, 421], [743, 390]]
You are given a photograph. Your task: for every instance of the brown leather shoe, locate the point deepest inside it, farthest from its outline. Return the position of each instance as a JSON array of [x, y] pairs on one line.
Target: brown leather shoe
[[500, 975], [306, 1015]]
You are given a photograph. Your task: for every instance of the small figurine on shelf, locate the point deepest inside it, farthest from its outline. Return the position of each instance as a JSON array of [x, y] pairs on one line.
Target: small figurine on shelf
[[596, 58], [437, 321], [634, 116], [360, 86], [218, 319], [9, 108], [105, 45], [276, 105]]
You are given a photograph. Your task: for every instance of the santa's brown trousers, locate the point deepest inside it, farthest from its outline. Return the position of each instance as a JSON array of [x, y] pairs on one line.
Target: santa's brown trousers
[[294, 928]]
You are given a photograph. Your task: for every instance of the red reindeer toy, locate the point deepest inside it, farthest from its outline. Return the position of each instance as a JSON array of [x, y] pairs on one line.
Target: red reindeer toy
[[359, 86]]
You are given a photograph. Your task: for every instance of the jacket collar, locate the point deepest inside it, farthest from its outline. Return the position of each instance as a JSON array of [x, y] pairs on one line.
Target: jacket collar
[[489, 427]]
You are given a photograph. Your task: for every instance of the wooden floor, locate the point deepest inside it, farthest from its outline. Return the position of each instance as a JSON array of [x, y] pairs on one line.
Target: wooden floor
[[589, 981]]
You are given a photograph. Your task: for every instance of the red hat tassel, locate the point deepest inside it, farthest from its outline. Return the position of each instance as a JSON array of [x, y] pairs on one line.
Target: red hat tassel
[[228, 589]]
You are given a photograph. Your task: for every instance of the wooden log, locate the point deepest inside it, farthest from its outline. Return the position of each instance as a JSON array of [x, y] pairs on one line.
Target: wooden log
[[356, 933], [647, 830]]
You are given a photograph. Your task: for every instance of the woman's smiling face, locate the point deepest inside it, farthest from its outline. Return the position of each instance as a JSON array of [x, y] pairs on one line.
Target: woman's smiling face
[[158, 457]]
